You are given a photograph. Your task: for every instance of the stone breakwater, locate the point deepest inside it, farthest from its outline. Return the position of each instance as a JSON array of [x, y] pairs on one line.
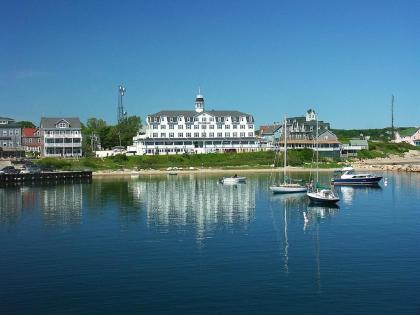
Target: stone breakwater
[[388, 167]]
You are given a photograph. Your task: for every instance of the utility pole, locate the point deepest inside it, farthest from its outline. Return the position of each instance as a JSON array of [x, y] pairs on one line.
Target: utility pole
[[392, 117]]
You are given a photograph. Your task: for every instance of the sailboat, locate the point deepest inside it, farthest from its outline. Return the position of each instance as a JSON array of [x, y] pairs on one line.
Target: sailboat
[[286, 187], [319, 193]]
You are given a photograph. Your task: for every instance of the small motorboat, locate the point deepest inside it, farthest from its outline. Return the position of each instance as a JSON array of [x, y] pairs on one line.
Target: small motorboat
[[324, 196], [232, 179], [349, 177]]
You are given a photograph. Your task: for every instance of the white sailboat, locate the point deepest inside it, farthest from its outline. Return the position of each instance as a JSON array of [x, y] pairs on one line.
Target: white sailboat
[[286, 187], [319, 193]]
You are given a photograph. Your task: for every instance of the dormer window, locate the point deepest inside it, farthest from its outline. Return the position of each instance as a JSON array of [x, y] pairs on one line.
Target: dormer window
[[62, 125]]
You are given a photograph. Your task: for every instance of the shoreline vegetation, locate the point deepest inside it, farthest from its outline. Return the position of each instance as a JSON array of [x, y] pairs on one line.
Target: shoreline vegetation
[[380, 156]]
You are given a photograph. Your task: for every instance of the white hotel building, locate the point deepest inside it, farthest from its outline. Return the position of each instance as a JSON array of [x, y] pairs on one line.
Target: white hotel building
[[196, 131]]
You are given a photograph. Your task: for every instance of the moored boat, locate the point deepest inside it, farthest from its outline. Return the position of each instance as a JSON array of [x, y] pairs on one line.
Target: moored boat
[[287, 187], [232, 179], [349, 177]]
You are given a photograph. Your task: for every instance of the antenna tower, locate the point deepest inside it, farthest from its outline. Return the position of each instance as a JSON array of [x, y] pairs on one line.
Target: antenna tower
[[121, 114]]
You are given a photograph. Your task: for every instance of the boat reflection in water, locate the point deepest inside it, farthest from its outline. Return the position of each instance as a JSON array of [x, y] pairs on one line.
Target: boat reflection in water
[[348, 192], [195, 201]]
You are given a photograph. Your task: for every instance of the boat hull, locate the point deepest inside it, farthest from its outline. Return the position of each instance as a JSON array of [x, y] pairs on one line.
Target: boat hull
[[316, 198], [374, 180], [233, 180], [287, 189]]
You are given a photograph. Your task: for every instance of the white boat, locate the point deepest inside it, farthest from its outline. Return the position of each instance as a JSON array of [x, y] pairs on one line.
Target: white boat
[[232, 180], [318, 193], [326, 196], [286, 187]]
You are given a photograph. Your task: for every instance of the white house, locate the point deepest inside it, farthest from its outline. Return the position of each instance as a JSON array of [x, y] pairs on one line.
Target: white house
[[61, 137], [409, 135], [196, 131]]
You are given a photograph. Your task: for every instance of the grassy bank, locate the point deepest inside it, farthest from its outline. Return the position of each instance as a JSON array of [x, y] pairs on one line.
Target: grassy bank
[[216, 160], [384, 149]]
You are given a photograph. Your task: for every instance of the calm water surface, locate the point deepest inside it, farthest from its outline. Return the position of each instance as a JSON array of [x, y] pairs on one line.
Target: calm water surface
[[185, 244]]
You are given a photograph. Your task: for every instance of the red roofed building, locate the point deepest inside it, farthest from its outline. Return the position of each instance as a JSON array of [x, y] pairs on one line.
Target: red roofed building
[[31, 140]]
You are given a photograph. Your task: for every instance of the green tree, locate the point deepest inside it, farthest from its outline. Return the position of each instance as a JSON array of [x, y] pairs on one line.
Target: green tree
[[26, 124], [127, 129]]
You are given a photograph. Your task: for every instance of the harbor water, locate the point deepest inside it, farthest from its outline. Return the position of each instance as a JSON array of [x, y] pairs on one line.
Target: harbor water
[[188, 244]]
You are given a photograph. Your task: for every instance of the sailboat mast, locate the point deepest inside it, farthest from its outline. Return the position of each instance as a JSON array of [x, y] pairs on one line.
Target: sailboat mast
[[285, 149], [317, 149]]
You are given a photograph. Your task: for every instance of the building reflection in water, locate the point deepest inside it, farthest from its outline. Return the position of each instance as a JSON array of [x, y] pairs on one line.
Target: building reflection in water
[[198, 201], [62, 204]]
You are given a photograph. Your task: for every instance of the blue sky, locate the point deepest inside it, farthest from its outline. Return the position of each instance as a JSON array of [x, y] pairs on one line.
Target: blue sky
[[267, 58]]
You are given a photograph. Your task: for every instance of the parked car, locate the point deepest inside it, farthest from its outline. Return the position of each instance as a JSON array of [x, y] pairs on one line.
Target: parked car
[[9, 170], [31, 169]]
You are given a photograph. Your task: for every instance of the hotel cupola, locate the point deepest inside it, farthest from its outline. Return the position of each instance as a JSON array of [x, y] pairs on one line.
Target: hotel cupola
[[199, 102]]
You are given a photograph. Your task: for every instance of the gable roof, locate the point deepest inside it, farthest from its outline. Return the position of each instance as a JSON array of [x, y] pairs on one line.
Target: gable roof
[[6, 118], [408, 132], [29, 132], [50, 122], [193, 113], [269, 129], [358, 142]]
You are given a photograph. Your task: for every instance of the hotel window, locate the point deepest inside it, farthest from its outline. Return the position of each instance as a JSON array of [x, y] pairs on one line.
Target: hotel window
[[163, 135], [227, 126], [195, 118], [219, 126], [171, 119], [219, 134], [211, 127], [211, 118], [196, 134], [203, 127], [180, 135], [162, 119], [196, 126], [155, 135], [188, 119], [62, 125], [250, 126], [242, 126], [171, 126], [204, 119], [242, 134], [243, 118], [250, 134], [163, 127], [16, 131], [211, 134], [227, 134], [171, 135], [180, 126], [179, 118], [154, 127], [188, 127], [235, 126], [203, 134], [235, 134], [188, 134]]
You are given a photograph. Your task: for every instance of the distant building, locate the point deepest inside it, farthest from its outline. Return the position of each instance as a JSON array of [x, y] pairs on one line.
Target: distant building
[[302, 133], [408, 135], [196, 131], [269, 135], [10, 134], [61, 137], [353, 147], [31, 140]]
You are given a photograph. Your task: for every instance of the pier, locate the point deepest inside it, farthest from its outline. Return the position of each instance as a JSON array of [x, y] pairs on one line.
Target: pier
[[44, 177]]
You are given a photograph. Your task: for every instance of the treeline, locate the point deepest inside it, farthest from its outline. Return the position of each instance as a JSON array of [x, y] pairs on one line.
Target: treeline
[[383, 134], [97, 134]]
